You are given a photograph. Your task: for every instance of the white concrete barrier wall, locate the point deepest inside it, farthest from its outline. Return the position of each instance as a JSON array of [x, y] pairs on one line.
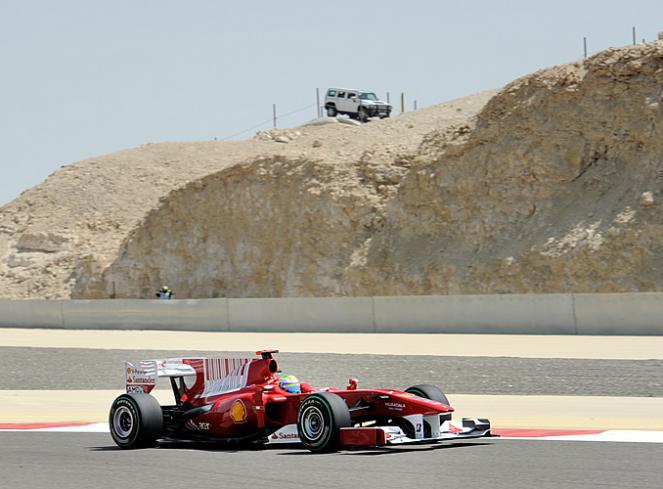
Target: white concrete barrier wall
[[589, 314], [518, 313], [305, 314], [193, 314], [619, 314], [31, 313]]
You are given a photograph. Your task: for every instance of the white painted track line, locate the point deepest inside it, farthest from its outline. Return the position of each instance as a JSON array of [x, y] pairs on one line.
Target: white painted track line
[[620, 436]]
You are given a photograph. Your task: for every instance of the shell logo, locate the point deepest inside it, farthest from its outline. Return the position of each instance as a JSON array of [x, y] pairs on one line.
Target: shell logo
[[238, 411], [129, 371]]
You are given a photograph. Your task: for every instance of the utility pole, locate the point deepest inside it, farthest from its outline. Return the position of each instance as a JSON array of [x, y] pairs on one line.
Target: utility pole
[[317, 102], [634, 35], [415, 105], [402, 102], [388, 101], [274, 114], [584, 43]]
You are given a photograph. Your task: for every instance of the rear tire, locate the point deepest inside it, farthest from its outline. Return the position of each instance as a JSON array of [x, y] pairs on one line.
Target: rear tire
[[331, 111], [135, 420], [320, 419], [428, 391]]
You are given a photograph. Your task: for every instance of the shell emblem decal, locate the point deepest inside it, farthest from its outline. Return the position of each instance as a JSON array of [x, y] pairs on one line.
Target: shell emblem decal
[[238, 411]]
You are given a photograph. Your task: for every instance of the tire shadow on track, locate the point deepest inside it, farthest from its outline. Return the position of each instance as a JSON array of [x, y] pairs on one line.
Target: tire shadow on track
[[390, 450], [294, 449]]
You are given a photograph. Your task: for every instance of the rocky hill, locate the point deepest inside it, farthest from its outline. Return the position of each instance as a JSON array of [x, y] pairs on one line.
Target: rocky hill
[[551, 184]]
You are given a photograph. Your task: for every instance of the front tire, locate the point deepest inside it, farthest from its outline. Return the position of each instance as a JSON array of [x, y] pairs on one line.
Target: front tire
[[135, 420], [428, 391], [320, 419], [362, 116]]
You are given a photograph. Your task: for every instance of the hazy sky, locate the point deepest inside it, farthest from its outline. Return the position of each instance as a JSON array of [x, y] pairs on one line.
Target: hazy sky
[[83, 78]]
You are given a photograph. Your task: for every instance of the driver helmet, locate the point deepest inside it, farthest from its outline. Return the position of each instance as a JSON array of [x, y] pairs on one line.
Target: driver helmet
[[290, 383]]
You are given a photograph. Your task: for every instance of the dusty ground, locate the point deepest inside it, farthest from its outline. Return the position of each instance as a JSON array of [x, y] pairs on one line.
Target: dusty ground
[[467, 345]]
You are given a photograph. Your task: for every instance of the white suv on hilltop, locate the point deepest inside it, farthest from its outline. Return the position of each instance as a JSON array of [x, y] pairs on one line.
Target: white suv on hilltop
[[357, 104]]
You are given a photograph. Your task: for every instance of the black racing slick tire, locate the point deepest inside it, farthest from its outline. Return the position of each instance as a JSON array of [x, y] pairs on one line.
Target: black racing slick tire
[[320, 419], [135, 420], [428, 391]]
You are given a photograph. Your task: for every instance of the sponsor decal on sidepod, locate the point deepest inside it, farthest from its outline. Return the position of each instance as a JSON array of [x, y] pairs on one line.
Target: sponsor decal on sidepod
[[238, 412]]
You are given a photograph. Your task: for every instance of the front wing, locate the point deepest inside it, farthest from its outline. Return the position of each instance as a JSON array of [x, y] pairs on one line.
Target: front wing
[[377, 436]]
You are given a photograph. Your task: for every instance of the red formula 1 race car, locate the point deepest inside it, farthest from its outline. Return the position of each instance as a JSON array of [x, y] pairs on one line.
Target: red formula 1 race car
[[246, 400]]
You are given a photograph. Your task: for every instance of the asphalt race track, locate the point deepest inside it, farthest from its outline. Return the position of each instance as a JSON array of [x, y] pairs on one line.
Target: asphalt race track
[[79, 368], [89, 460]]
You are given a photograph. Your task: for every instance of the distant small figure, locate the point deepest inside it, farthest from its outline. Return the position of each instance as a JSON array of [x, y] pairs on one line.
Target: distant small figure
[[165, 293]]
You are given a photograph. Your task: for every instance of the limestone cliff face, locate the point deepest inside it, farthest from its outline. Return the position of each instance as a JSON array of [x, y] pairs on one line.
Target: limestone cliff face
[[555, 190], [551, 185], [271, 227], [67, 230]]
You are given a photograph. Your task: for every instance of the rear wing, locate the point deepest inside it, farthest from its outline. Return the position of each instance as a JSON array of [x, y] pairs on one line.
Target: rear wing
[[201, 377], [142, 376]]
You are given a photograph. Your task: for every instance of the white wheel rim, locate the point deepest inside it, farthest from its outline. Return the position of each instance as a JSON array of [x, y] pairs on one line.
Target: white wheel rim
[[123, 422], [313, 423]]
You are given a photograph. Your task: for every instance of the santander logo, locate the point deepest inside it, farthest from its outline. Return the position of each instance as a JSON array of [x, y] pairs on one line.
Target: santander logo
[[284, 436]]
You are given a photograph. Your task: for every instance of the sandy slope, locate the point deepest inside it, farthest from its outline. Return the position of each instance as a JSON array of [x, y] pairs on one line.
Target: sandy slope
[[72, 225]]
